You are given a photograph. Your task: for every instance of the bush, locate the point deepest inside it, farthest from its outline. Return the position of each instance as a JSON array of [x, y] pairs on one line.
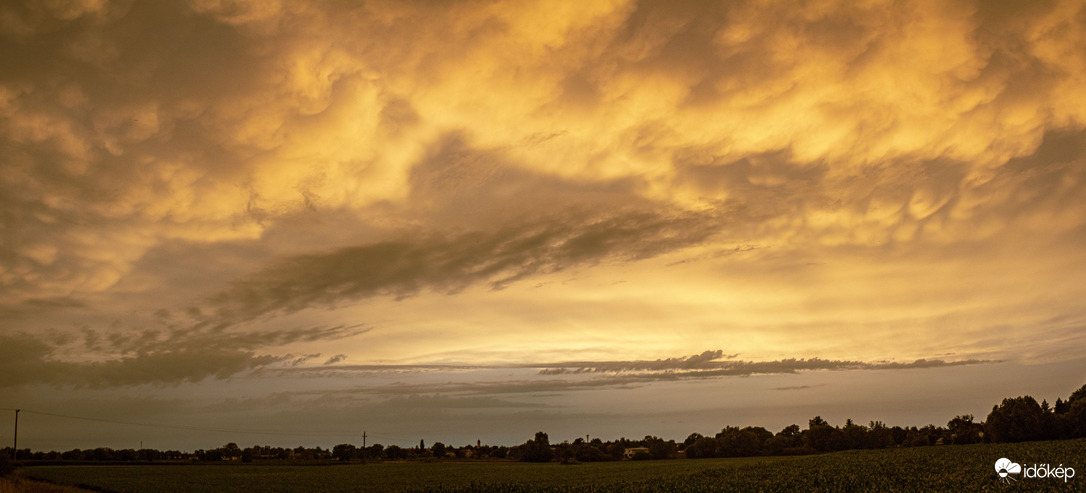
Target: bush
[[589, 454], [6, 465]]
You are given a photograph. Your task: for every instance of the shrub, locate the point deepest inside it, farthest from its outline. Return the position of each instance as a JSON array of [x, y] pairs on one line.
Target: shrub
[[6, 465]]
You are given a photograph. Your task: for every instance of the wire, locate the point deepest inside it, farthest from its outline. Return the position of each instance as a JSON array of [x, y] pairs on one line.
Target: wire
[[187, 428], [386, 437]]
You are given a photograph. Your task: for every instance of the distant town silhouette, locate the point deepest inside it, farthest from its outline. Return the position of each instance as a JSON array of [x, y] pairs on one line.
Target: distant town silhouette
[[1015, 419]]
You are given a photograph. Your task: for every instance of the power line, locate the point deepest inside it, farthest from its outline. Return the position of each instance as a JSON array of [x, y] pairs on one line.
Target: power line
[[386, 437], [200, 428], [177, 427]]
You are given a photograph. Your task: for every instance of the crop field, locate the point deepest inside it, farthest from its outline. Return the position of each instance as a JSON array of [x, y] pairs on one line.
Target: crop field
[[939, 468]]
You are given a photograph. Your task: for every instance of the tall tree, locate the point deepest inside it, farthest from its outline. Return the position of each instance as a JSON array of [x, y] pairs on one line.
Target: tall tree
[[1015, 420]]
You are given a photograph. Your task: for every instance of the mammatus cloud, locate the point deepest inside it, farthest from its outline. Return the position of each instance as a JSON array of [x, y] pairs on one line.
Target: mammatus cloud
[[224, 120], [185, 185]]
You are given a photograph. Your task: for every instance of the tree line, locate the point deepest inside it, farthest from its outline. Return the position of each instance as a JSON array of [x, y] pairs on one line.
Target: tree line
[[1016, 419], [1013, 420]]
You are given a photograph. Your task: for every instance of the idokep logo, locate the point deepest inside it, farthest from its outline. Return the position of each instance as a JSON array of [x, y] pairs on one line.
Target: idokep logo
[[1005, 468]]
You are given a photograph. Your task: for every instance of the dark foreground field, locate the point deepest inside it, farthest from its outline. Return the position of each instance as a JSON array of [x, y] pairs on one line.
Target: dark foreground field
[[942, 468]]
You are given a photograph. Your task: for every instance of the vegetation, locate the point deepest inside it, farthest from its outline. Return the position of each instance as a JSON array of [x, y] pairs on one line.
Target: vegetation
[[852, 457], [1014, 420], [947, 468], [6, 466], [15, 484]]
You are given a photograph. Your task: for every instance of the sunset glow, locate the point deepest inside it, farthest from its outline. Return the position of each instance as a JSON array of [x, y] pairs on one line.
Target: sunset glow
[[476, 220]]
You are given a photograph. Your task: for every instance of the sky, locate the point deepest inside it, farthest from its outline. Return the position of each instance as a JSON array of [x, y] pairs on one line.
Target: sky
[[285, 222]]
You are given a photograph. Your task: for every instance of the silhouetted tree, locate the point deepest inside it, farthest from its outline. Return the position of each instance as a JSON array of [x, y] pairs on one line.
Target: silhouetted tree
[[438, 449], [963, 430], [395, 452], [344, 452], [660, 448], [819, 435], [1077, 395], [853, 436], [588, 453], [537, 450], [878, 435], [789, 437], [231, 451], [1015, 420], [1074, 420], [735, 442], [703, 448], [1071, 419]]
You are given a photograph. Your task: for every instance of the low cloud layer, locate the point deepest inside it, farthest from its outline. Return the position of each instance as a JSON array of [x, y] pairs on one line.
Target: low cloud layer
[[595, 375], [646, 371], [708, 364]]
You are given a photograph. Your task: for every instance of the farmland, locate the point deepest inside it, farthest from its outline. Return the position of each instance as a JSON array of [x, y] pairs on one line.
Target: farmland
[[936, 468]]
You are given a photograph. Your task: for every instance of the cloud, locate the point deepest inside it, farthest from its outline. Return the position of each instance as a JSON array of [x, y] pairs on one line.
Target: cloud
[[27, 361], [38, 306], [239, 116], [450, 264], [414, 403], [834, 122], [707, 364], [152, 357], [243, 161], [589, 375], [199, 338], [703, 361], [798, 387], [485, 388], [298, 360]]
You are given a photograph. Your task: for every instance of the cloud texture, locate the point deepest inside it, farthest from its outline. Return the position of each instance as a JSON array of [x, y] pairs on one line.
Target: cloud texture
[[196, 192]]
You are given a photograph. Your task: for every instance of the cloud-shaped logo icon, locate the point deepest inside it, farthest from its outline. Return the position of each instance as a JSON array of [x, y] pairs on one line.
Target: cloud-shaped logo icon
[[1004, 466]]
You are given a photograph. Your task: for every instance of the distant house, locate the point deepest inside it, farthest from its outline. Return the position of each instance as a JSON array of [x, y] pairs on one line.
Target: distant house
[[632, 451]]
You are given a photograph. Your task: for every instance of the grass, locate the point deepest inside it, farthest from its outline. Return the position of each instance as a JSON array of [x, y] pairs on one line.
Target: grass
[[943, 468], [23, 485], [391, 476]]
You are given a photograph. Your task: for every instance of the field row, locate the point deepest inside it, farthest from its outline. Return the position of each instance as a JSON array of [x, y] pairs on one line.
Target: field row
[[937, 468]]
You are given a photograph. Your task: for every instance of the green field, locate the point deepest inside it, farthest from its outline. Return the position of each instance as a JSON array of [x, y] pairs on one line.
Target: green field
[[940, 468]]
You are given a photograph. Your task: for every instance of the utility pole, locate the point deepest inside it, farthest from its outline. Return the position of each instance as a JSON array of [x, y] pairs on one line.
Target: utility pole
[[15, 447], [363, 447]]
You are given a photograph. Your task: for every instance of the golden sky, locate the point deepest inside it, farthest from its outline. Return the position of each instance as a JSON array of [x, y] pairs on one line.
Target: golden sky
[[538, 213]]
